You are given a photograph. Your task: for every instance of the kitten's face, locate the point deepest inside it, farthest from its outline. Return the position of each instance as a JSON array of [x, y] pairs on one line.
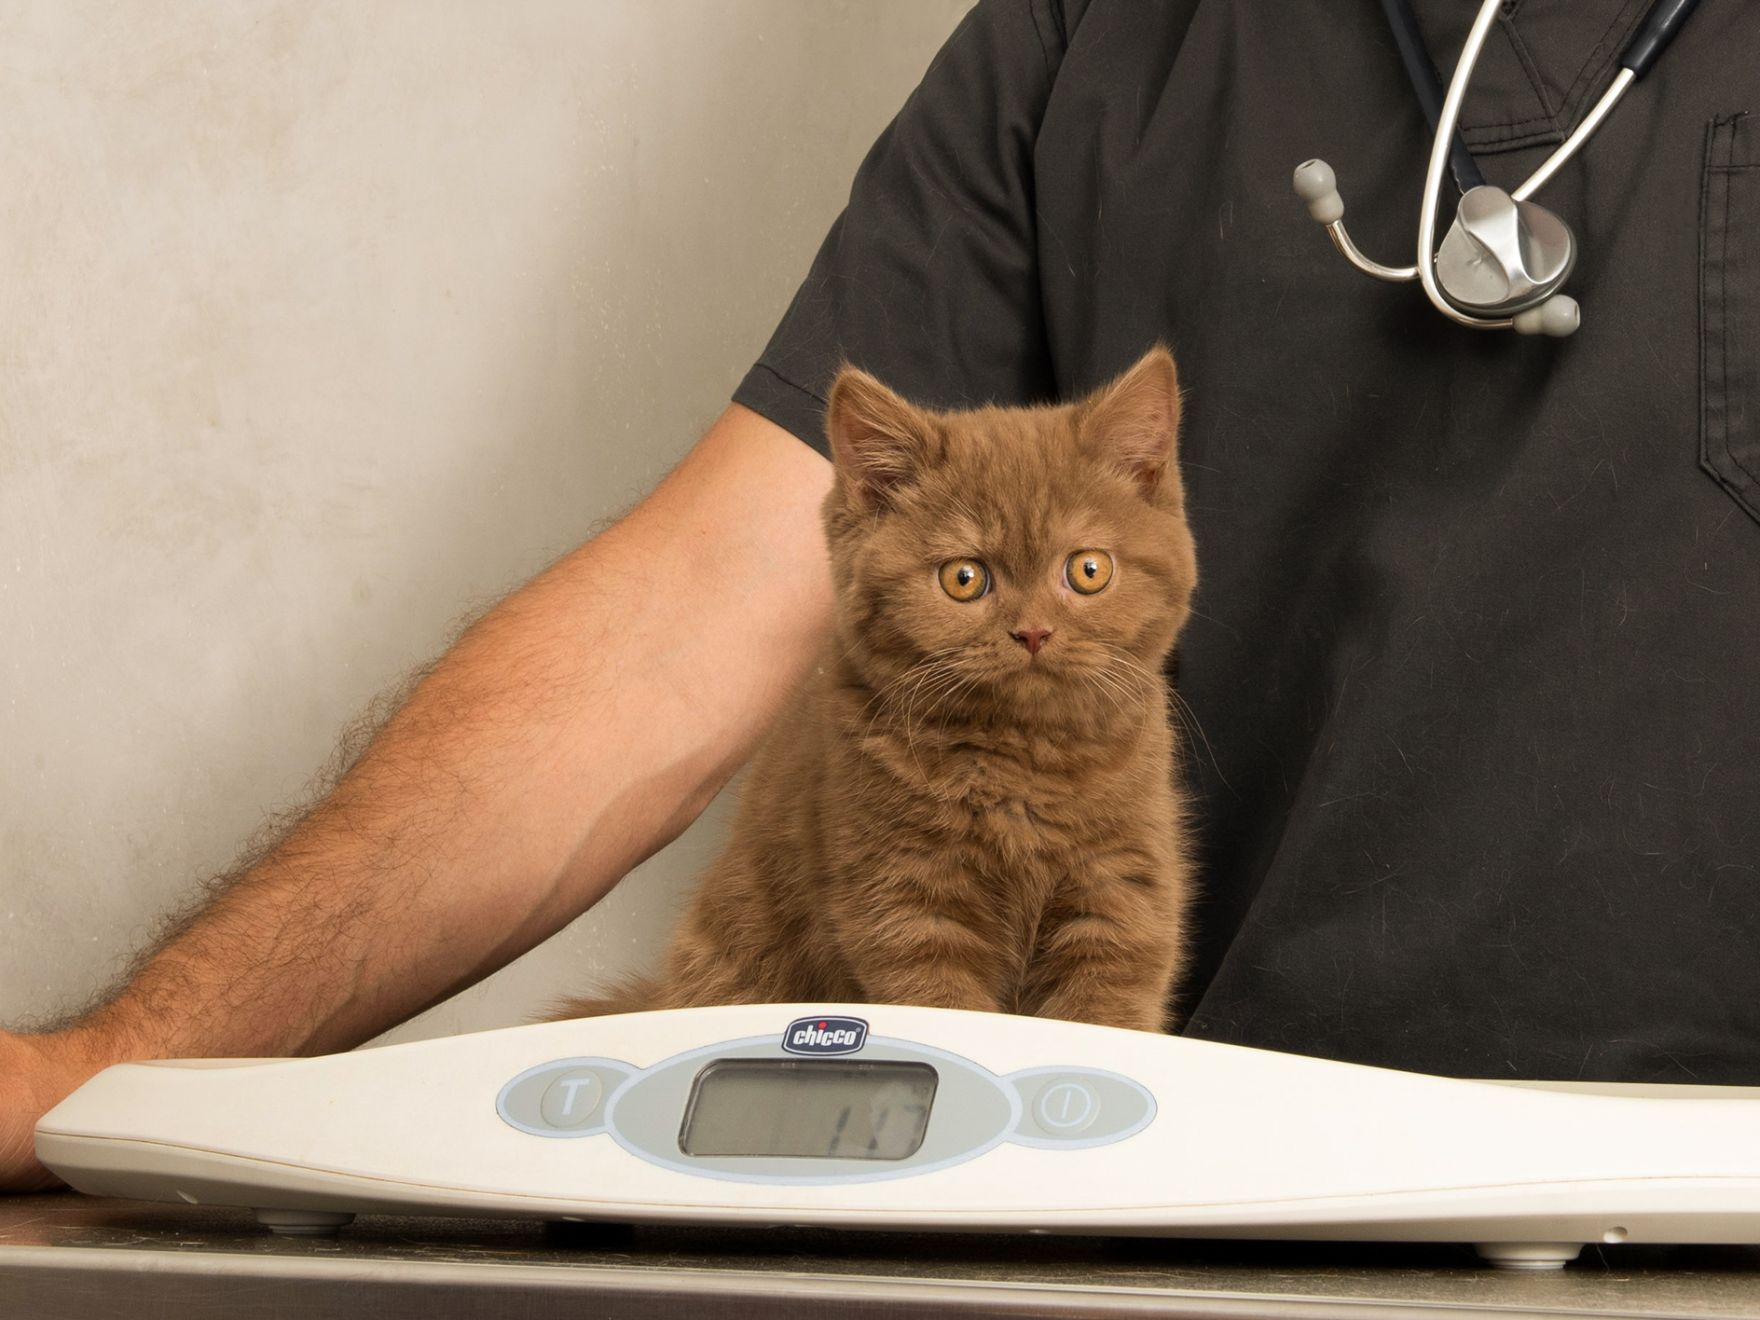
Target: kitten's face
[[1037, 557]]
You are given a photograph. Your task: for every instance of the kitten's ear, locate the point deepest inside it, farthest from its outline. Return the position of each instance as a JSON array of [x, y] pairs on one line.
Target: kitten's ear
[[1134, 422], [878, 441]]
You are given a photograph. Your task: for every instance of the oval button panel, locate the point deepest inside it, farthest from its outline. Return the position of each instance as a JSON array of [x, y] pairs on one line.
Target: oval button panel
[[1057, 1107]]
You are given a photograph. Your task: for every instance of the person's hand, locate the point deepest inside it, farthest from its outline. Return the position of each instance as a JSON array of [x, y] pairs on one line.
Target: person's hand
[[35, 1073]]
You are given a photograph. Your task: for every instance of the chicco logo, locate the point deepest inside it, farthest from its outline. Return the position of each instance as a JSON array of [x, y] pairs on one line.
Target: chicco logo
[[825, 1035]]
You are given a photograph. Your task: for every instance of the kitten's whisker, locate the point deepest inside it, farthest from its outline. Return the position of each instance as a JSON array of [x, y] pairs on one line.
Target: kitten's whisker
[[928, 662], [1092, 678], [937, 674], [899, 680], [920, 671], [931, 681], [1121, 696], [937, 692], [1183, 711], [950, 691], [1180, 709], [1151, 680], [1131, 671]]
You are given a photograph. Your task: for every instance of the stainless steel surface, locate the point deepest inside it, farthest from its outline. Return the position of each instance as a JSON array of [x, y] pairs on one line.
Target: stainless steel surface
[[1438, 168], [1501, 256], [66, 1255], [1354, 254]]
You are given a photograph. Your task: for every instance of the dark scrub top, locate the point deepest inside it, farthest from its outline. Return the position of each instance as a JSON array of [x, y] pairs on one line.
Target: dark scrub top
[[1478, 659]]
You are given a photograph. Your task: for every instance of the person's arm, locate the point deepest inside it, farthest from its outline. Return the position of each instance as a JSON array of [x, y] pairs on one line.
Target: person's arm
[[572, 732]]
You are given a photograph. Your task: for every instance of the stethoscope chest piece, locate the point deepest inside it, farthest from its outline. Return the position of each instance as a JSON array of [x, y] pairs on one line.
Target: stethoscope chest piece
[[1502, 256]]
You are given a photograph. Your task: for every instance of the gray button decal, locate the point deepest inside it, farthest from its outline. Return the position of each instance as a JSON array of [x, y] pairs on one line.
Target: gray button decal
[[572, 1098]]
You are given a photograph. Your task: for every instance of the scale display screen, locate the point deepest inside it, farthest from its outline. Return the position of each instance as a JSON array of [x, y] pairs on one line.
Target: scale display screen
[[820, 1109]]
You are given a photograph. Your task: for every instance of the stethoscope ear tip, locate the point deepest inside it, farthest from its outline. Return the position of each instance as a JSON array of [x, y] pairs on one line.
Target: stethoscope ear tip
[[1317, 185], [1559, 316]]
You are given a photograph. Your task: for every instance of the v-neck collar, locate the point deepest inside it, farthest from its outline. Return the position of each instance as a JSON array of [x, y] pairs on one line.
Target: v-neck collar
[[1543, 64]]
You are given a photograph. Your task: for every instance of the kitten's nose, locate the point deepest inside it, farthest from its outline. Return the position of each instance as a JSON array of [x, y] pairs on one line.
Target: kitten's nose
[[1031, 638]]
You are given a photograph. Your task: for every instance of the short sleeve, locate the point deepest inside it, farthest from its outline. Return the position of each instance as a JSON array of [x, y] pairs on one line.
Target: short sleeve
[[929, 279]]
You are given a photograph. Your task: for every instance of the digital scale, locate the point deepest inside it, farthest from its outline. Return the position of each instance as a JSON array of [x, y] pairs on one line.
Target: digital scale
[[877, 1117]]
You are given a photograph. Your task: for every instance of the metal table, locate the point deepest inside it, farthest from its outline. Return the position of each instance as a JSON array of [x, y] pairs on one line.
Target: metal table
[[68, 1255]]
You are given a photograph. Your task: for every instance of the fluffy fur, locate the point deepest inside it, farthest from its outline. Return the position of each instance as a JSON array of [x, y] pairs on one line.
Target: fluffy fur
[[944, 816]]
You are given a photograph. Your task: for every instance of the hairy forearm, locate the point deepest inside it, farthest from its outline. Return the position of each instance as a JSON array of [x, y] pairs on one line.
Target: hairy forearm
[[571, 732]]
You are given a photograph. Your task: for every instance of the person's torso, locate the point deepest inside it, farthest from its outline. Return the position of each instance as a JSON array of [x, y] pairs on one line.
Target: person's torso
[[1476, 675]]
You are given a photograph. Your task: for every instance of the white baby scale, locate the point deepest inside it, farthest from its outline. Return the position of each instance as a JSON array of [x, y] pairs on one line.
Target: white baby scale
[[874, 1117]]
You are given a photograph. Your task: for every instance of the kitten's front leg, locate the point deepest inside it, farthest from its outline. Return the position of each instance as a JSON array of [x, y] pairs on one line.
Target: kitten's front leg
[[1108, 950], [923, 935]]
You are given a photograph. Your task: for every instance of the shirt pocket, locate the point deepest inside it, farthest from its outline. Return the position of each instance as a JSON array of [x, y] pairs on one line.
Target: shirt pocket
[[1729, 310]]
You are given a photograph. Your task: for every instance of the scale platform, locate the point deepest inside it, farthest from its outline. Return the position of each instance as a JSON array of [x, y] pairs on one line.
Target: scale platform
[[881, 1117]]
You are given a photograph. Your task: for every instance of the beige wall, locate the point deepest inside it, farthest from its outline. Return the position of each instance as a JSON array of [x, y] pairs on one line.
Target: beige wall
[[324, 322]]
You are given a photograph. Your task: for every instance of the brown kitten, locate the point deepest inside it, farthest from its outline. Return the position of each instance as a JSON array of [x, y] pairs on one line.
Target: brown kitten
[[972, 802]]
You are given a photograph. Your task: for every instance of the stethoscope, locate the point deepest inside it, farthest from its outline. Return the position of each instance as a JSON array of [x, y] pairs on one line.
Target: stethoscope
[[1503, 261]]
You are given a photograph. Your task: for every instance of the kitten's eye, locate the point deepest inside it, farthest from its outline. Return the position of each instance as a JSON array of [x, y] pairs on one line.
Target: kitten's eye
[[1088, 571], [964, 579]]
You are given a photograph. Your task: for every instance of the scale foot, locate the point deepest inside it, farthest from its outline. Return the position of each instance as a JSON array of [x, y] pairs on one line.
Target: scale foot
[[1529, 1255], [303, 1223]]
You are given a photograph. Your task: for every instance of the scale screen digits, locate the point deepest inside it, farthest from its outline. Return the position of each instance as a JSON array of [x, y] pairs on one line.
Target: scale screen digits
[[808, 1109]]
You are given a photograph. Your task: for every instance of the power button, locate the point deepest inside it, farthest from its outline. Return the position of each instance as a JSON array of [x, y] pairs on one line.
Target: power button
[[1066, 1106], [1070, 1107]]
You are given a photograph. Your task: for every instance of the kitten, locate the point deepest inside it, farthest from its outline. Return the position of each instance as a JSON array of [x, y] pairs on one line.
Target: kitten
[[972, 802]]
